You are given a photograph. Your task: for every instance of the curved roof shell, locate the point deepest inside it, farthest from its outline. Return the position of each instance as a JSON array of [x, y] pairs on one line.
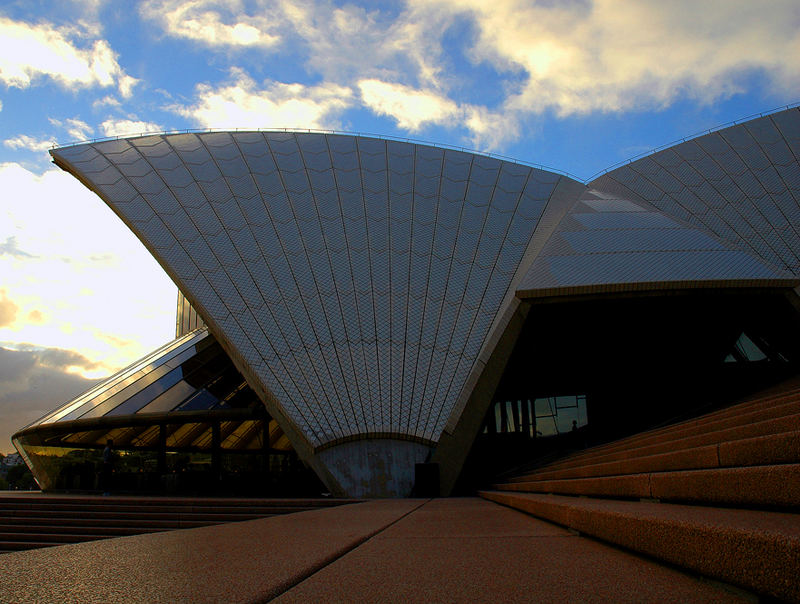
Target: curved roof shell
[[356, 279], [361, 285], [741, 183]]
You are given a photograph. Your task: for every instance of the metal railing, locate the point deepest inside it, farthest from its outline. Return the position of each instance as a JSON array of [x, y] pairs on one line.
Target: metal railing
[[410, 140]]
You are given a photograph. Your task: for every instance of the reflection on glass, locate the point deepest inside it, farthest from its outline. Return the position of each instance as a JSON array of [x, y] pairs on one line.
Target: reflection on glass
[[539, 417], [186, 423]]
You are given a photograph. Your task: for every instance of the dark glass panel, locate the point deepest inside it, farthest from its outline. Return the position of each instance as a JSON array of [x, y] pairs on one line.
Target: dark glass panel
[[144, 396], [181, 436], [245, 435], [154, 365]]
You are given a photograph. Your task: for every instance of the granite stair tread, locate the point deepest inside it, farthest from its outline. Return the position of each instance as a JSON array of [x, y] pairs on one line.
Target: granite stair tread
[[721, 543]]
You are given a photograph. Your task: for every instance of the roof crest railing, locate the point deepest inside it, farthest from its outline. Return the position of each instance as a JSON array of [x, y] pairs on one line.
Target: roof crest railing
[[690, 137], [388, 137], [405, 139]]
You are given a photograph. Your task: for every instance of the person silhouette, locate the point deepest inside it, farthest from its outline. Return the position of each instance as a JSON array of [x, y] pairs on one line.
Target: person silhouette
[[108, 467]]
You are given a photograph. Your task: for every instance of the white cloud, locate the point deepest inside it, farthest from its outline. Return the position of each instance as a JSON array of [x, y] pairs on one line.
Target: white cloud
[[74, 277], [215, 23], [106, 101], [23, 141], [409, 107], [567, 57], [612, 55], [414, 109], [8, 309], [77, 129], [243, 104], [42, 50], [127, 127]]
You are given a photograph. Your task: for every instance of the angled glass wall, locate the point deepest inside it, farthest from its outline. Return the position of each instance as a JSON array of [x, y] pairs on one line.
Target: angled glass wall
[[617, 365], [182, 420]]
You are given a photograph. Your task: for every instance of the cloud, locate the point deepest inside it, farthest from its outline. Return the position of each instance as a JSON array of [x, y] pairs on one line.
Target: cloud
[[425, 62], [569, 58], [11, 248], [31, 52], [106, 101], [343, 43], [8, 310], [77, 129], [123, 127], [243, 104], [215, 23], [23, 141], [614, 56], [36, 316], [33, 382], [414, 109], [83, 281], [409, 107]]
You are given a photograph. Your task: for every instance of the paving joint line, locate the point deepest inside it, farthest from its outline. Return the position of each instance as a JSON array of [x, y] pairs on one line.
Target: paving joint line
[[339, 554]]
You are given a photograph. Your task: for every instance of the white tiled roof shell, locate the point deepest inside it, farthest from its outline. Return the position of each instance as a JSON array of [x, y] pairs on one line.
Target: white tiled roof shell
[[741, 183], [605, 243], [357, 278]]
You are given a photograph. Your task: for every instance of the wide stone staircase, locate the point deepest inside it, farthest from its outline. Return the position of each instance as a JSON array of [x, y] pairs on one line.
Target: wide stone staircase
[[29, 521], [718, 495]]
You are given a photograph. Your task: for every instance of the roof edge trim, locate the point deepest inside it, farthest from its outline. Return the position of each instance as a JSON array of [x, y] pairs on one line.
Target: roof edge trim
[[613, 288]]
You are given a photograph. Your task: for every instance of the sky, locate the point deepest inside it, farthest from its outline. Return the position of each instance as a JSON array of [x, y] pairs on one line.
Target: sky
[[577, 86]]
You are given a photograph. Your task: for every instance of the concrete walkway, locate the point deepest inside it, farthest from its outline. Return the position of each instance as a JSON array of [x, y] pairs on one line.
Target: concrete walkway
[[442, 550]]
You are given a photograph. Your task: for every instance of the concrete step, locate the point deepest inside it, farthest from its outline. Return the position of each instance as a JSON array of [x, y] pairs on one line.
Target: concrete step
[[743, 415], [110, 523], [761, 450], [106, 531], [52, 519], [785, 424], [758, 486], [756, 550], [50, 539], [129, 515], [181, 509], [16, 546], [147, 502]]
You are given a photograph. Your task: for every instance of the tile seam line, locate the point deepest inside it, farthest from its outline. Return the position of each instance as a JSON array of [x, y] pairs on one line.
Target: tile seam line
[[336, 556]]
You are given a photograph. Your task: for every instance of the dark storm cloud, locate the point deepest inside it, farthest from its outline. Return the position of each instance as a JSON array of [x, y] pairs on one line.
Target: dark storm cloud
[[33, 382]]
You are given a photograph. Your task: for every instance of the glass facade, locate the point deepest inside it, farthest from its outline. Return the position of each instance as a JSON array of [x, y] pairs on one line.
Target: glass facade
[[539, 417], [618, 365], [356, 278], [362, 286], [183, 420]]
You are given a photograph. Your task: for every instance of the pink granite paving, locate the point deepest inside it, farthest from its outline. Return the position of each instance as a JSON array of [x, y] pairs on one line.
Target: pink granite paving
[[469, 550], [754, 549], [239, 562]]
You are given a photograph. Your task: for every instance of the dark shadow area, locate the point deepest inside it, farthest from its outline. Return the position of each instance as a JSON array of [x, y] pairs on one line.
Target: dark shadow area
[[586, 372]]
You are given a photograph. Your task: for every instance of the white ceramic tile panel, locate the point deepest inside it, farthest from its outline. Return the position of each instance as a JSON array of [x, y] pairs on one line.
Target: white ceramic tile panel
[[752, 168], [357, 276]]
